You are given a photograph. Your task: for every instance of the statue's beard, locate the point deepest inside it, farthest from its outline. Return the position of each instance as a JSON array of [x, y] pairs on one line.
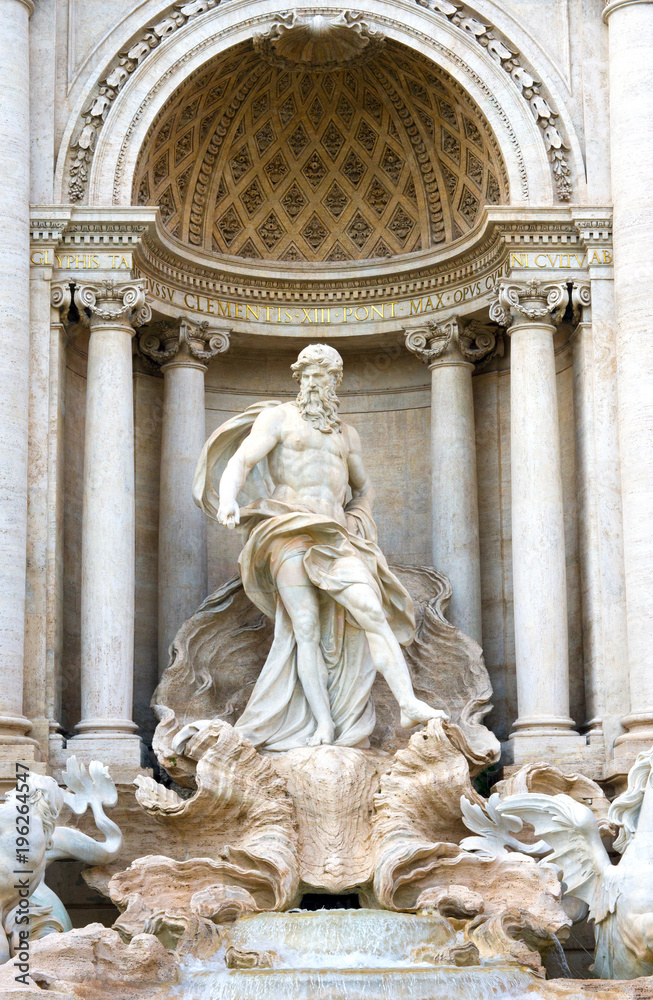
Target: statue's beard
[[320, 408]]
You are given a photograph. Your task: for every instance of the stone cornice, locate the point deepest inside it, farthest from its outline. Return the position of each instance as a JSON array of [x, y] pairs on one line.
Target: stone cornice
[[163, 259], [518, 242]]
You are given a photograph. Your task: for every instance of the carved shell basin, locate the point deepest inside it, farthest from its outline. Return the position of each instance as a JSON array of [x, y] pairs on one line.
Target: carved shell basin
[[318, 41]]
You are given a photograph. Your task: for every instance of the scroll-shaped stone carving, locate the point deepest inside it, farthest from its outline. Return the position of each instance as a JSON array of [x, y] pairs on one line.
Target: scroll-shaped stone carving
[[472, 342], [243, 806], [533, 299], [114, 300], [198, 341], [418, 825]]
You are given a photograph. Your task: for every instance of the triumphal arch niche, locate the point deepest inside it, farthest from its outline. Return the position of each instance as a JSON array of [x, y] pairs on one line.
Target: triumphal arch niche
[[404, 185]]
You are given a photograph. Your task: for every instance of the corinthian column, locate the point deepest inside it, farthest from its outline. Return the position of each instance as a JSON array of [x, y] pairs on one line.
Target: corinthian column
[[630, 24], [14, 343], [450, 351], [108, 523], [538, 539], [183, 354]]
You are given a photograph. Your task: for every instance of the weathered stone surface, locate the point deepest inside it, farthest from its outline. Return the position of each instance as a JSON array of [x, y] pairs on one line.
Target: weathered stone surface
[[93, 963]]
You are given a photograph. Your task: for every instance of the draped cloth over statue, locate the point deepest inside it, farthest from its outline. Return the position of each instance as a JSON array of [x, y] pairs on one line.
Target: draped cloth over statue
[[277, 715]]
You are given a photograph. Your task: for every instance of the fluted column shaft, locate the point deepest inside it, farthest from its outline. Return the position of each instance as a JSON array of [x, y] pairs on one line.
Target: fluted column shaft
[[14, 344], [108, 522], [450, 351], [630, 27], [538, 539], [183, 356]]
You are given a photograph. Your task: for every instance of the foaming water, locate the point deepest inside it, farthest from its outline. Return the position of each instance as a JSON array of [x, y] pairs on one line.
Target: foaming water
[[369, 938], [348, 955]]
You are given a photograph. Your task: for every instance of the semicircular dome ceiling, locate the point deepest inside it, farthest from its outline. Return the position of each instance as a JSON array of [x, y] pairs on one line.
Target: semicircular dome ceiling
[[374, 160]]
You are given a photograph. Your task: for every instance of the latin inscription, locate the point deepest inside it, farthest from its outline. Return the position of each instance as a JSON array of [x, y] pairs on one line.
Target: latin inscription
[[562, 261], [207, 305], [202, 304], [83, 261]]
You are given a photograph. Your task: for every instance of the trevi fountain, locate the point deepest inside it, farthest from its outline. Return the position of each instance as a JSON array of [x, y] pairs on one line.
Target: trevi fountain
[[326, 512]]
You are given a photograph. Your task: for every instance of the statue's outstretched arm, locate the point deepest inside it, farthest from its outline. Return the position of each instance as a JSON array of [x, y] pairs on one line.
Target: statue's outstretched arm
[[262, 438]]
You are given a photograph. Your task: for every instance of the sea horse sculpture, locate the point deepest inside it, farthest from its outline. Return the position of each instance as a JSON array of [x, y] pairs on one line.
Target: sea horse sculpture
[[619, 897]]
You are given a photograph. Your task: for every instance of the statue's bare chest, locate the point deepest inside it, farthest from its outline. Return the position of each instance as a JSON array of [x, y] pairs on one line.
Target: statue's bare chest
[[301, 437]]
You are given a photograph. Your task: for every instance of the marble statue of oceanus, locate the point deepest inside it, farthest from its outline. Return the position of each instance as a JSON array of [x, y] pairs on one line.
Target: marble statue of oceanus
[[312, 564]]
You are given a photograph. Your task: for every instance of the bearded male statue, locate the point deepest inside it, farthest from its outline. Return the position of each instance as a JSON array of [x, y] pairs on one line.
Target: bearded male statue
[[312, 565]]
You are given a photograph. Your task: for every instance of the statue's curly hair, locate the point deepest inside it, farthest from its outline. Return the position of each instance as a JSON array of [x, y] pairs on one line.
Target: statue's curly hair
[[319, 354]]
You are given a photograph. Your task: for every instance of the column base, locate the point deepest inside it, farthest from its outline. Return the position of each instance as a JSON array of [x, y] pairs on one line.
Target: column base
[[119, 751], [18, 750], [639, 735], [549, 739]]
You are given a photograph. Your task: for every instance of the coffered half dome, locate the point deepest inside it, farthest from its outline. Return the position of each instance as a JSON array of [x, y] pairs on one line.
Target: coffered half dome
[[255, 158]]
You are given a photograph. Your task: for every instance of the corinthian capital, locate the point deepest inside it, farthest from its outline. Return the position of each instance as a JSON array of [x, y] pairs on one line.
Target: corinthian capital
[[114, 300], [451, 342], [516, 301], [189, 342]]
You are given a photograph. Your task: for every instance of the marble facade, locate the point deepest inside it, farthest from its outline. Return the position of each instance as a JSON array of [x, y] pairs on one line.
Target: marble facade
[[454, 195]]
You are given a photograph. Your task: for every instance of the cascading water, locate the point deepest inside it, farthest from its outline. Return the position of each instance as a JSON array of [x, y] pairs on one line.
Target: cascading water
[[347, 955]]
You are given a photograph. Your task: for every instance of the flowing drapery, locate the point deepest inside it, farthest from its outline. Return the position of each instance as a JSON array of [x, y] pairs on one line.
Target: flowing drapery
[[277, 716]]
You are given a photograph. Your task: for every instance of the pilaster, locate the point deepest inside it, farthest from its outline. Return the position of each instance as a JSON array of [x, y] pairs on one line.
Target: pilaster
[[630, 36]]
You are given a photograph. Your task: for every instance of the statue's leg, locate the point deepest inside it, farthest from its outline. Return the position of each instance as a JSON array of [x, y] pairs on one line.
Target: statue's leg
[[362, 603], [300, 600]]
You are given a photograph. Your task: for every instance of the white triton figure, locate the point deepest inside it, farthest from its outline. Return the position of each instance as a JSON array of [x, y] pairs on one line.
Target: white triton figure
[[29, 845], [312, 564], [619, 897]]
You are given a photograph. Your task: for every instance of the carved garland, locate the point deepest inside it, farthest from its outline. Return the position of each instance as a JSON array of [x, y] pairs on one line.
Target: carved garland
[[94, 116], [425, 165], [529, 88]]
